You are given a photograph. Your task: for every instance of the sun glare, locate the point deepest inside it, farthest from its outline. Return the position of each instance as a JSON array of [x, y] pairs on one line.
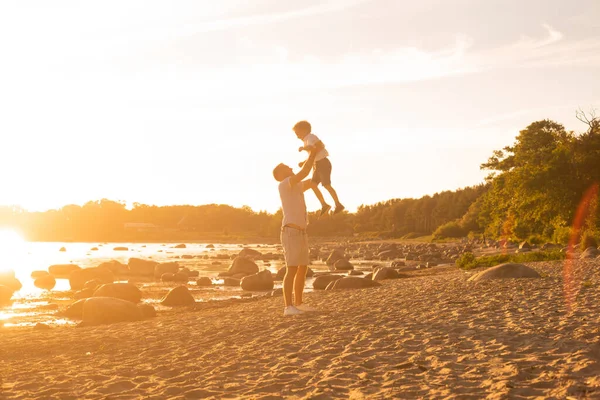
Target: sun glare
[[11, 248]]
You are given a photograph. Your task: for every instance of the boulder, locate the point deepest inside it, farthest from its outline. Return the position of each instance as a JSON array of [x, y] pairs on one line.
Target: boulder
[[321, 282], [62, 249], [13, 284], [343, 265], [387, 255], [115, 267], [243, 265], [181, 276], [167, 277], [39, 274], [258, 282], [121, 248], [502, 271], [249, 253], [352, 282], [7, 275], [78, 278], [74, 310], [334, 256], [354, 272], [165, 268], [204, 281], [5, 294], [140, 267], [45, 282], [84, 294], [94, 249], [193, 274], [524, 245], [231, 281], [590, 252], [179, 296], [383, 273], [123, 291], [92, 284], [180, 246], [63, 270], [210, 246], [108, 310]]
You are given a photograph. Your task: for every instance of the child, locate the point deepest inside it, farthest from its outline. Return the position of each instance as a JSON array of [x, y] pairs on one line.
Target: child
[[322, 167]]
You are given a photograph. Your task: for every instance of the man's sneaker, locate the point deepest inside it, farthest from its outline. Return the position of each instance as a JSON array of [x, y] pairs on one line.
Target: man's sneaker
[[306, 308], [338, 209], [291, 310], [324, 210]]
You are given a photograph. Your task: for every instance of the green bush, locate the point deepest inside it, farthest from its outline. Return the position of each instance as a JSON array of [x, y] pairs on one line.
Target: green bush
[[466, 261], [562, 235], [449, 230]]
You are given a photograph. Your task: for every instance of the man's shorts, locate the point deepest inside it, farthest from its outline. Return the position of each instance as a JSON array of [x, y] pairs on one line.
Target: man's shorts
[[295, 247], [322, 172]]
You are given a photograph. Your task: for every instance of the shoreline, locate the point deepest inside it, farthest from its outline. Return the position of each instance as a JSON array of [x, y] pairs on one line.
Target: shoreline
[[432, 334]]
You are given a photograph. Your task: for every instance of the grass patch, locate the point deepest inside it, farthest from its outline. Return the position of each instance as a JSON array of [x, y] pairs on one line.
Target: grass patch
[[469, 261]]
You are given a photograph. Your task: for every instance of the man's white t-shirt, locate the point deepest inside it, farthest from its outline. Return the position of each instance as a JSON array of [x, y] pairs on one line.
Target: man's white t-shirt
[[311, 140], [292, 203]]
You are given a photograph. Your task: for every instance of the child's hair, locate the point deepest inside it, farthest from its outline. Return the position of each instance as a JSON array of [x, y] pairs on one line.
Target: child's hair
[[303, 125]]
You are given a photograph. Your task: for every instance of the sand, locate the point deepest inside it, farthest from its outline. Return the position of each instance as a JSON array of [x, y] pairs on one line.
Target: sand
[[433, 335]]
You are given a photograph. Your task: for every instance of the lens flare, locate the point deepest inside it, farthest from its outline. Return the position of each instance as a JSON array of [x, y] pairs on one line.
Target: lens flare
[[571, 276]]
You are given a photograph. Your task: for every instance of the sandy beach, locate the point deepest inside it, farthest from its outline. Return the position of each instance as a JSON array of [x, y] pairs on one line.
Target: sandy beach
[[431, 335]]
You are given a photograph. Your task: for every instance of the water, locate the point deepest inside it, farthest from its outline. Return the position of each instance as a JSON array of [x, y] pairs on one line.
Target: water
[[32, 305]]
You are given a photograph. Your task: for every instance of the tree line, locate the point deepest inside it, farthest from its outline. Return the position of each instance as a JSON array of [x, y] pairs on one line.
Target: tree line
[[543, 187]]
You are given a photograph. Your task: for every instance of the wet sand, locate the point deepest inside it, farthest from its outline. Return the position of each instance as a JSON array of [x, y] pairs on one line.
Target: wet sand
[[432, 335]]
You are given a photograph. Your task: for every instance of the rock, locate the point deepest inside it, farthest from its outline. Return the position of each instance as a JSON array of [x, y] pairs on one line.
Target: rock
[[167, 277], [13, 284], [193, 274], [74, 310], [62, 249], [41, 327], [243, 265], [187, 257], [387, 255], [7, 275], [343, 265], [258, 282], [354, 272], [590, 252], [181, 276], [84, 294], [78, 278], [180, 246], [108, 310], [204, 281], [249, 253], [397, 264], [524, 245], [39, 274], [277, 292], [148, 311], [166, 268], [123, 291], [334, 256], [94, 249], [6, 294], [210, 246], [352, 282], [121, 248], [508, 270], [115, 267], [63, 270], [140, 267], [231, 281], [179, 296], [321, 282], [92, 284], [45, 282], [385, 273], [524, 250]]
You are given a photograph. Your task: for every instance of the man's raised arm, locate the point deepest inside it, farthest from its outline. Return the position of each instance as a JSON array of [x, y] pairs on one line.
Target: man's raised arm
[[295, 179]]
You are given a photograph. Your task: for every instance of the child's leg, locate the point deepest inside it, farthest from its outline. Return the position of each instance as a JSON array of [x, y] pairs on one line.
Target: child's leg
[[315, 187], [333, 194]]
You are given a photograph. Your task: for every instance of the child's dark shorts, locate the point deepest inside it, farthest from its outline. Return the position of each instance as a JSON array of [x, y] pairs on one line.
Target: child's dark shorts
[[322, 172]]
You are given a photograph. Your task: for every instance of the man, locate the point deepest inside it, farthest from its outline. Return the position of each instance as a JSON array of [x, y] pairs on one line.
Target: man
[[293, 232]]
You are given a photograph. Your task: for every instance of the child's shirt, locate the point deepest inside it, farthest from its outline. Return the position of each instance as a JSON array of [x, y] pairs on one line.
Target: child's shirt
[[309, 141]]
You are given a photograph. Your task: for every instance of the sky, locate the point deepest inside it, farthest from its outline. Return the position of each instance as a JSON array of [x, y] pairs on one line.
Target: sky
[[192, 102]]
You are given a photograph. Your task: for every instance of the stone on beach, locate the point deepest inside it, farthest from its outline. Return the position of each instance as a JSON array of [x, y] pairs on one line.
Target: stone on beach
[[258, 282], [123, 291], [383, 273], [227, 281], [140, 267], [249, 253], [334, 257], [179, 296], [204, 281], [39, 274], [508, 270], [321, 282], [45, 282], [590, 252], [352, 282], [165, 268], [63, 270], [180, 246], [343, 265], [78, 278], [115, 267], [243, 265], [108, 310]]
